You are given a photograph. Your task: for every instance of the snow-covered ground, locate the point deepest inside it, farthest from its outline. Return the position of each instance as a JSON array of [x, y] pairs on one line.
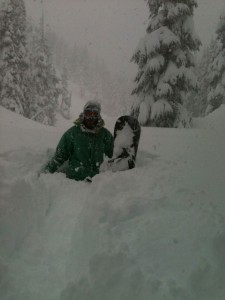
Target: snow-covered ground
[[155, 232]]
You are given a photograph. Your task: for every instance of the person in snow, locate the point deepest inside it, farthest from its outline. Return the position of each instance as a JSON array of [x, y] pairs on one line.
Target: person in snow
[[83, 145]]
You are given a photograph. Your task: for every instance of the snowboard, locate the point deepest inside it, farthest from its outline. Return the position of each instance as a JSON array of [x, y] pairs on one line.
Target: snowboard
[[127, 132]]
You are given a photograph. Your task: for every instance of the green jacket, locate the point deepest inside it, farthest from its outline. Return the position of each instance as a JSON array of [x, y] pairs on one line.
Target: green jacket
[[84, 152]]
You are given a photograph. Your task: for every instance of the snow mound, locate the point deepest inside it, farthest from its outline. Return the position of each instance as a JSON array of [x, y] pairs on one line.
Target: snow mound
[[154, 231], [214, 120], [17, 131]]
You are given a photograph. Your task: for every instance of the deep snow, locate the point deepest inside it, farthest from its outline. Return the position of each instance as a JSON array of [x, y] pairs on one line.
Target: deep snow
[[155, 232]]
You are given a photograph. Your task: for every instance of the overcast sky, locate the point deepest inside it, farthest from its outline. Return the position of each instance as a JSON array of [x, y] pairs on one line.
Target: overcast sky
[[112, 28]]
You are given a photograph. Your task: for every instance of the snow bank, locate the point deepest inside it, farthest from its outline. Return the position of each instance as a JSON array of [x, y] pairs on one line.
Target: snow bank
[[17, 131], [156, 231], [214, 120]]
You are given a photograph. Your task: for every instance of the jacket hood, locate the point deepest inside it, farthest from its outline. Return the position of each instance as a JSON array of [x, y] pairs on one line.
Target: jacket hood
[[93, 105], [80, 121]]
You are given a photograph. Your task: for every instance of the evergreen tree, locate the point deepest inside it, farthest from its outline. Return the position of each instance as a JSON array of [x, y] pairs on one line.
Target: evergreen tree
[[96, 87], [216, 73], [166, 62], [196, 100], [60, 49], [199, 106], [13, 56], [44, 82], [91, 76], [82, 71], [120, 96], [74, 62], [66, 96]]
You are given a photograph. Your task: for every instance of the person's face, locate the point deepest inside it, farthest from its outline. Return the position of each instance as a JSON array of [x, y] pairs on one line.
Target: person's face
[[90, 118]]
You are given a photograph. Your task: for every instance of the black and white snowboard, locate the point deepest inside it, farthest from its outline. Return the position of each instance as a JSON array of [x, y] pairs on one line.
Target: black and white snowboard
[[127, 133]]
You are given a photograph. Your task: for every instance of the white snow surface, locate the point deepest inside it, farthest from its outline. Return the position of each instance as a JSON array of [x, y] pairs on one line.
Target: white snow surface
[[154, 232]]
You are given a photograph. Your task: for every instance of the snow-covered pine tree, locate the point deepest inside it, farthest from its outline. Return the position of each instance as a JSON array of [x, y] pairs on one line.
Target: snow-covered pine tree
[[66, 96], [120, 95], [107, 89], [82, 71], [97, 79], [13, 56], [96, 85], [216, 75], [44, 82], [165, 58], [196, 100]]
